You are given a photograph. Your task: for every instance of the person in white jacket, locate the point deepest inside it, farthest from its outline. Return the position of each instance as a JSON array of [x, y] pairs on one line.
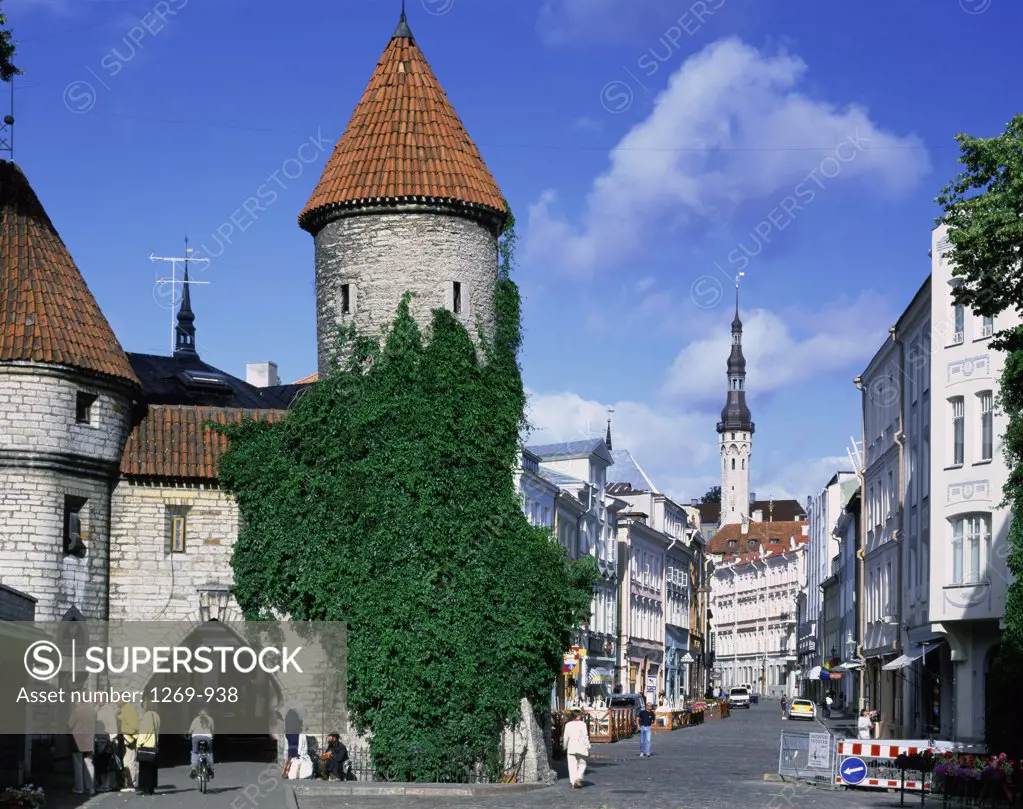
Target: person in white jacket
[[576, 742]]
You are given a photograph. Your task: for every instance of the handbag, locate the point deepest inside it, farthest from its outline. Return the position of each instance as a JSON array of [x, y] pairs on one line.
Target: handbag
[[147, 754]]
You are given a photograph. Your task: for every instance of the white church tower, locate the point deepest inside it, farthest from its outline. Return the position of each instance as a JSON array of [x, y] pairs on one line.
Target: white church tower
[[736, 431]]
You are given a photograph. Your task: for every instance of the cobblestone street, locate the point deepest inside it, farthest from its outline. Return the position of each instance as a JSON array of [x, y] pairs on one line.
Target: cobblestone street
[[718, 765]]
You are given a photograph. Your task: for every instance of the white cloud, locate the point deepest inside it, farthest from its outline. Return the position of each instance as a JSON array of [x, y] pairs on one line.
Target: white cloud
[[799, 478], [836, 338], [731, 127], [663, 442]]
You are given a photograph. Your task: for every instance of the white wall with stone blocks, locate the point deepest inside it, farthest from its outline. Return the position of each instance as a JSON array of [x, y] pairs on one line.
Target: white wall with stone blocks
[[32, 555], [382, 255], [37, 413], [149, 582]]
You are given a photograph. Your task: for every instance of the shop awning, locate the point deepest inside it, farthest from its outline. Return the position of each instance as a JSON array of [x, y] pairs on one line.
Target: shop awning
[[600, 675], [899, 663], [851, 665]]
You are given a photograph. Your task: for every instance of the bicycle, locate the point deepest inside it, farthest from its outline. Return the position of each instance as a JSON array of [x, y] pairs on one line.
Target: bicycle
[[204, 772]]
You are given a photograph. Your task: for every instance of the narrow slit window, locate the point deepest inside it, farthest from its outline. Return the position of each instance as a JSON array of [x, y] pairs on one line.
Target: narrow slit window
[[346, 299], [456, 297], [178, 535]]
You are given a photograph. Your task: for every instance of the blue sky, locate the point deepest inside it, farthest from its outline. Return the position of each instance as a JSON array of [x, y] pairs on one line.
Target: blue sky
[[643, 145]]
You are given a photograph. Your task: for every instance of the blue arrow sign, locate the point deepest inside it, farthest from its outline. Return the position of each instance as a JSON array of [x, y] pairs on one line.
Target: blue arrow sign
[[853, 770]]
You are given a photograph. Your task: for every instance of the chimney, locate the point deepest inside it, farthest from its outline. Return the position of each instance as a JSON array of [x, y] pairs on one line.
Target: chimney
[[262, 374], [758, 515], [696, 501], [745, 527]]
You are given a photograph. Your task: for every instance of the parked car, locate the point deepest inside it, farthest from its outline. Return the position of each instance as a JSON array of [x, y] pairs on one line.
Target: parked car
[[635, 701], [738, 697], [802, 709]]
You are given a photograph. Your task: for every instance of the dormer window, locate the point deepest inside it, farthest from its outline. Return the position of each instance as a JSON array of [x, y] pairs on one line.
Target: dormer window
[[84, 407]]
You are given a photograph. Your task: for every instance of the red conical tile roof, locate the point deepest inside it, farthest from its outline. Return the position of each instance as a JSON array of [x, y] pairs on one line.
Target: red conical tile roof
[[403, 141], [47, 313]]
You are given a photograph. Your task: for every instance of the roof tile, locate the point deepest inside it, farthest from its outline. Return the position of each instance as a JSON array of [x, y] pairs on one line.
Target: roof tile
[[47, 313], [174, 442], [403, 140]]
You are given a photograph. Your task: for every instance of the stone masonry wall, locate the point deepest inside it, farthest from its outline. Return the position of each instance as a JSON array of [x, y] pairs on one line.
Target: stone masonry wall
[[46, 457], [382, 255], [32, 555], [149, 582], [37, 413]]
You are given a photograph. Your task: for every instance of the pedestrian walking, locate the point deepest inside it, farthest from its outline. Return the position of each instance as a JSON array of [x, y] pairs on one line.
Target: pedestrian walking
[[128, 722], [82, 726], [784, 706], [576, 742], [148, 749], [646, 730], [828, 702]]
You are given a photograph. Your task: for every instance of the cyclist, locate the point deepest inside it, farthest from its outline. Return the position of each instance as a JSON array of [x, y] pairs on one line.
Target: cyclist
[[201, 729]]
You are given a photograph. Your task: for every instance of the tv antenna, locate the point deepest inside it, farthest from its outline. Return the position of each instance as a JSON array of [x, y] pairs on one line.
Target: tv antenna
[[173, 281]]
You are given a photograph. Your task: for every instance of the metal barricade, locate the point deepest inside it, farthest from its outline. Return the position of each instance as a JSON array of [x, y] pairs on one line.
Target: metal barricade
[[879, 769], [808, 756]]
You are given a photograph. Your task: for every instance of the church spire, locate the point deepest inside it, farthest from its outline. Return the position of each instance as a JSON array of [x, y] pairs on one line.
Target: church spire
[[184, 343], [607, 438]]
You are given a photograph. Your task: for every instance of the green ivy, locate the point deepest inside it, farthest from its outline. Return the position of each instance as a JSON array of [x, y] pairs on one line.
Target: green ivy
[[386, 500]]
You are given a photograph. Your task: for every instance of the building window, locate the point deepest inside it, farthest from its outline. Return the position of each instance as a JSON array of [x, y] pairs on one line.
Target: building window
[[957, 431], [176, 523], [987, 426], [959, 315], [987, 326], [733, 463], [456, 297], [971, 546], [178, 535], [83, 407], [346, 299], [74, 532]]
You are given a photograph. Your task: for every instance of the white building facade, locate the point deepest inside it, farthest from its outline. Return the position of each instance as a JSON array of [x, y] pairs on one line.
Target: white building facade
[[823, 512], [754, 594], [968, 530]]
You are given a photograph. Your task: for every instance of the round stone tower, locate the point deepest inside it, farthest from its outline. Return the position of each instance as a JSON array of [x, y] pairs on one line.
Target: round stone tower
[[66, 390], [405, 203]]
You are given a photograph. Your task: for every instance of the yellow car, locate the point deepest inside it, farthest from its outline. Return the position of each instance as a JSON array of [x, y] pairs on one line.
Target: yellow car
[[802, 709]]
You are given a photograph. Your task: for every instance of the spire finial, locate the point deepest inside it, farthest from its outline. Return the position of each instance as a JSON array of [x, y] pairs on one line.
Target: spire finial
[[184, 343], [402, 31]]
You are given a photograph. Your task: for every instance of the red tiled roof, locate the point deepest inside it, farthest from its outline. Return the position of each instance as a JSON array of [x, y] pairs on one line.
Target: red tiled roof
[[47, 313], [773, 536], [305, 380], [782, 510], [174, 441], [403, 140]]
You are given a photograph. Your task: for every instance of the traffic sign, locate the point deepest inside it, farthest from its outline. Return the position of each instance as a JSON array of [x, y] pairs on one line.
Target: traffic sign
[[853, 770]]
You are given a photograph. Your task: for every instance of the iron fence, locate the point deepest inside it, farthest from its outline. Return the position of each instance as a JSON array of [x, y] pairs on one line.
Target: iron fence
[[505, 768]]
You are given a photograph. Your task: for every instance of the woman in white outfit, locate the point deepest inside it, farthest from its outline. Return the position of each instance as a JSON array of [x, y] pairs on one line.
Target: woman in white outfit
[[576, 741], [863, 725]]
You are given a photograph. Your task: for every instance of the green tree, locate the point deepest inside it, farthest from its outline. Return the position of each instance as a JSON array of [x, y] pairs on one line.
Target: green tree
[[713, 495], [983, 209], [7, 46], [386, 500]]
